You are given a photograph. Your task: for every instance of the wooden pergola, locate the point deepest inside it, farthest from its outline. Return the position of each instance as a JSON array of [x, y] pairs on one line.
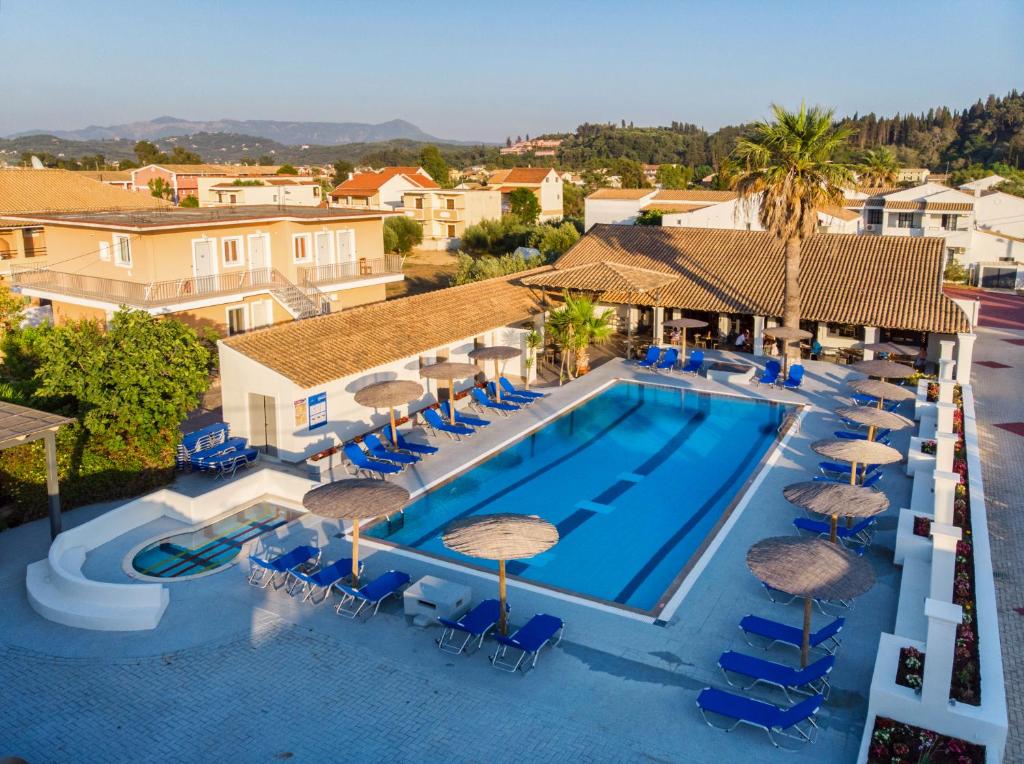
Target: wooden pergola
[[20, 425]]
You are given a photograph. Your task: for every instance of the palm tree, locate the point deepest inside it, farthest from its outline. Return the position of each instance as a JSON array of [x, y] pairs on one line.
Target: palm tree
[[533, 343], [574, 327], [878, 167], [560, 329], [787, 166]]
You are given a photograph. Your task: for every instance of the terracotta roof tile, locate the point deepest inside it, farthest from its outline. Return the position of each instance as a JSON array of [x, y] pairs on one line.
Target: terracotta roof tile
[[694, 195], [23, 191], [886, 281], [621, 193], [529, 175], [368, 183], [839, 212], [924, 204]]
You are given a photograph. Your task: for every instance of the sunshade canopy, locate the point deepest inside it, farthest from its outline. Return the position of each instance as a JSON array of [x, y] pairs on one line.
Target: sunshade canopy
[[356, 499], [390, 393], [860, 451], [884, 369], [787, 333], [893, 348], [685, 323], [449, 370], [605, 276], [494, 353], [501, 536], [810, 567], [826, 498], [879, 389], [869, 416]]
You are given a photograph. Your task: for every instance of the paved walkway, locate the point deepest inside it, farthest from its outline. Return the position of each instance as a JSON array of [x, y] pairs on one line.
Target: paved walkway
[[999, 397], [235, 673]]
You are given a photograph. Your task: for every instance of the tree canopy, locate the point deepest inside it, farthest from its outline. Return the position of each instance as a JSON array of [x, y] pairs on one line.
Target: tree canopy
[[435, 165], [401, 234], [523, 203]]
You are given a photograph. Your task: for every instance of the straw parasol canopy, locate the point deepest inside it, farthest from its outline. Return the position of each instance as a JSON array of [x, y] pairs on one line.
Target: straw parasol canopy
[[835, 500], [684, 324], [501, 537], [884, 369], [856, 452], [787, 334], [810, 568], [882, 390], [450, 370], [495, 353], [874, 418], [892, 348], [356, 499], [387, 395]]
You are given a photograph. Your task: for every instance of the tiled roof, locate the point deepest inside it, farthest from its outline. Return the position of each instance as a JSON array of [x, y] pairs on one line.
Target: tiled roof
[[602, 277], [694, 195], [521, 175], [368, 183], [854, 203], [120, 176], [621, 193], [924, 204], [220, 169], [669, 207], [318, 350], [24, 191], [839, 212], [886, 281]]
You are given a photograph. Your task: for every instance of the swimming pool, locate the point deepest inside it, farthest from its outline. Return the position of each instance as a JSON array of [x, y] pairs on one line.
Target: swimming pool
[[636, 479], [212, 546]]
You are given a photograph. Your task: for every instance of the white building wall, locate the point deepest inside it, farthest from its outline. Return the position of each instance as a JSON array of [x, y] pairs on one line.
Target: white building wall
[[732, 215], [612, 211], [551, 198], [1000, 212]]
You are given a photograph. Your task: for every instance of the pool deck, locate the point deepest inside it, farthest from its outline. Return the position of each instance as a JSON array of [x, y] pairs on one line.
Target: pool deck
[[238, 673]]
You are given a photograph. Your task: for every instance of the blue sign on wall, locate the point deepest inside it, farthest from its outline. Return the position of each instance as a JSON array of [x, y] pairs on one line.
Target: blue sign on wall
[[317, 410]]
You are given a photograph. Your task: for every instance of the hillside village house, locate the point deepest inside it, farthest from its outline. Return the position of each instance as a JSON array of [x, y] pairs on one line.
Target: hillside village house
[[381, 189], [29, 190], [117, 178], [184, 178], [445, 212], [545, 183], [732, 278], [289, 191], [230, 268], [914, 175]]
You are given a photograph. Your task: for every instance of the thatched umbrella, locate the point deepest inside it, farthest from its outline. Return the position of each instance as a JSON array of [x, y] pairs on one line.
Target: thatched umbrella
[[856, 452], [884, 369], [449, 370], [388, 394], [787, 334], [495, 353], [835, 499], [501, 537], [356, 499], [810, 568], [874, 418], [890, 348], [883, 391], [684, 324]]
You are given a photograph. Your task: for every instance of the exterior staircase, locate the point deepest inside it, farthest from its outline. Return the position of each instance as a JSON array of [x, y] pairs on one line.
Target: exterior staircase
[[300, 302]]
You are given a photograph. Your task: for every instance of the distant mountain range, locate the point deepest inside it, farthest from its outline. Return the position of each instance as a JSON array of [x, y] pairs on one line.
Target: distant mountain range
[[287, 133]]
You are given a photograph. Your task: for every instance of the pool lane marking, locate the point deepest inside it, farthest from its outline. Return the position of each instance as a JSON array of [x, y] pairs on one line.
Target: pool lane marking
[[630, 477], [623, 417], [593, 506], [666, 548]]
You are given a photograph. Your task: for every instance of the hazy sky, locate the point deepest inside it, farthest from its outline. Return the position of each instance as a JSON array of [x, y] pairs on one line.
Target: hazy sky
[[482, 70]]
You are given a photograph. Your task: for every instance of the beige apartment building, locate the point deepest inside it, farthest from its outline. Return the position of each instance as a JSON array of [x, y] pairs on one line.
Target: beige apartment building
[[545, 183], [288, 191], [446, 212], [230, 268]]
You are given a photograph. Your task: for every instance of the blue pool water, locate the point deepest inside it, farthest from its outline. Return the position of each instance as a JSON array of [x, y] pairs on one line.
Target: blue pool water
[[214, 545], [635, 479]]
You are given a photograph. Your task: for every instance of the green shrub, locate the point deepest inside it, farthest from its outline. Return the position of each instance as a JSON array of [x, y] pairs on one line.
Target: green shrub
[[401, 234]]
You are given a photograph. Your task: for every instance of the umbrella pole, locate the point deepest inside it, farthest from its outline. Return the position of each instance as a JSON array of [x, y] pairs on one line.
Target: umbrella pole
[[871, 432], [683, 354], [832, 536], [497, 384], [853, 473], [394, 428], [355, 554], [451, 401], [805, 647], [502, 618]]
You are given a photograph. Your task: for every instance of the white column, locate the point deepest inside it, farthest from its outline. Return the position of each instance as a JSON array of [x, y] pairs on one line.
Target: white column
[[964, 356], [723, 327], [944, 538], [870, 335], [758, 335], [946, 390], [945, 445], [946, 362], [659, 325], [943, 618], [945, 417], [945, 495]]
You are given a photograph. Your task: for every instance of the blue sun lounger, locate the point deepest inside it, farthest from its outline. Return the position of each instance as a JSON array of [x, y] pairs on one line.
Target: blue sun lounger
[[870, 480], [520, 400], [653, 354], [795, 378], [434, 421], [462, 418], [263, 571], [374, 593], [784, 722], [808, 681], [474, 625], [859, 532], [412, 447], [696, 361], [378, 451], [869, 400], [363, 463], [770, 375], [226, 463], [881, 436], [320, 581], [843, 470], [482, 401], [508, 387], [669, 359], [825, 638], [528, 640]]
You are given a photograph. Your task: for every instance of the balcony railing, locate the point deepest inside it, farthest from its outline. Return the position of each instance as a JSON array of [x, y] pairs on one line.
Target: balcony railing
[[337, 273]]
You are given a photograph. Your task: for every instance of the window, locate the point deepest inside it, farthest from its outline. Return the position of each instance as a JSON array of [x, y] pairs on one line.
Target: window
[[231, 250], [301, 247], [236, 320], [451, 232], [874, 217], [850, 331], [104, 250], [419, 202], [233, 198], [122, 251], [904, 219], [450, 204], [949, 222], [316, 192]]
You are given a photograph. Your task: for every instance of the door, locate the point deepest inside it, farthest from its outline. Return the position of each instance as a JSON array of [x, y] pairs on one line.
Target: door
[[204, 266], [258, 256], [263, 423], [346, 246], [323, 248], [261, 313]]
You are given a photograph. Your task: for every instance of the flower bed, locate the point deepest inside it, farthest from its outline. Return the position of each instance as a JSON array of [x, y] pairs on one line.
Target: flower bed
[[929, 447], [893, 741]]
